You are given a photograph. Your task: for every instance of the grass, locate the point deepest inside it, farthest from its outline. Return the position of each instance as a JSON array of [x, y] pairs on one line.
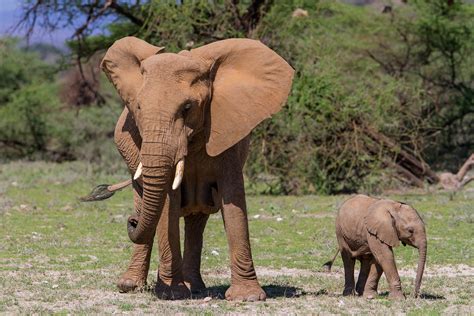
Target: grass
[[60, 256]]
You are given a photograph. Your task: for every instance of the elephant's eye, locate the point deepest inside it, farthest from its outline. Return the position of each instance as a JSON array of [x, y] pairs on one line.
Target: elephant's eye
[[188, 105]]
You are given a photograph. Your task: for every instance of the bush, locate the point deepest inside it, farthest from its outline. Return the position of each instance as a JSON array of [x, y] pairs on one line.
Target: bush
[[34, 124], [370, 90], [350, 79]]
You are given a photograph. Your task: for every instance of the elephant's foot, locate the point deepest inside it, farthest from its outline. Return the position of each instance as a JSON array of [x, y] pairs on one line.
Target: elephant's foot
[[176, 291], [194, 282], [396, 295], [348, 291], [245, 292], [130, 283], [370, 294]]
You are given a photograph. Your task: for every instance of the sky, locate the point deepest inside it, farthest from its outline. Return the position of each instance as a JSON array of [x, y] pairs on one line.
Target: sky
[[10, 11]]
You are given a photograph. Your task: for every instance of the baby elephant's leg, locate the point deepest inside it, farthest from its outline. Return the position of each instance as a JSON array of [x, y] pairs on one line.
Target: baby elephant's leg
[[363, 274], [375, 272], [349, 263], [384, 256]]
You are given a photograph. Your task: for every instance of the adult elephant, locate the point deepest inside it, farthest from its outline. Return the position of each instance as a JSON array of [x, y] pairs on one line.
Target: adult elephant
[[189, 115]]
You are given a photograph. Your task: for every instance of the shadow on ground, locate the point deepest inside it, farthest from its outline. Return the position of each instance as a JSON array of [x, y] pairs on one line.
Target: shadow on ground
[[272, 290], [434, 297], [423, 296]]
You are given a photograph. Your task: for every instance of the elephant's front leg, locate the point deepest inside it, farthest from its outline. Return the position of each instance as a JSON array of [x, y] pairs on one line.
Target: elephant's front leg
[[137, 272], [193, 240], [384, 256], [363, 274], [135, 276], [170, 282], [244, 283], [128, 141], [370, 290]]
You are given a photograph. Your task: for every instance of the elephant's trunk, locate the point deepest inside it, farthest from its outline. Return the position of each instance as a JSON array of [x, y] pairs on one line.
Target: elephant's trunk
[[421, 265], [157, 157]]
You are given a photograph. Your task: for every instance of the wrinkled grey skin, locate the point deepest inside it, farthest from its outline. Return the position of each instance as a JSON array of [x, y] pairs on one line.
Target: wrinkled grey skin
[[367, 229]]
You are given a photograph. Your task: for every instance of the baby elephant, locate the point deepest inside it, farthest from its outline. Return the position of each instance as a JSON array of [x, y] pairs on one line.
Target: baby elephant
[[367, 229]]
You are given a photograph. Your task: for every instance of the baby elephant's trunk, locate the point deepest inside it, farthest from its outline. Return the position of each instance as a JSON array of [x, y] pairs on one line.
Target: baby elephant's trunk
[[421, 266]]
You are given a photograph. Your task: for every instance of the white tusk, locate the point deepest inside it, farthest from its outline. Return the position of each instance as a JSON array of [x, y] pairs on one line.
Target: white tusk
[[138, 173], [178, 177]]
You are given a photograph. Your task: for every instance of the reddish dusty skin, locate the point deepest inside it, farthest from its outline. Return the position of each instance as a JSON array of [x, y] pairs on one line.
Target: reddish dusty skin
[[367, 229], [199, 106]]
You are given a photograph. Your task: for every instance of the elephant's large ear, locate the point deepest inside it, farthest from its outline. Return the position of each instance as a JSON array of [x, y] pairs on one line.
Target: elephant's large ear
[[380, 223], [122, 63], [250, 83]]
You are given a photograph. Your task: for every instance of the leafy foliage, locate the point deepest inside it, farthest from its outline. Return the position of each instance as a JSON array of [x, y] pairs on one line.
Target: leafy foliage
[[404, 76], [34, 124], [371, 91]]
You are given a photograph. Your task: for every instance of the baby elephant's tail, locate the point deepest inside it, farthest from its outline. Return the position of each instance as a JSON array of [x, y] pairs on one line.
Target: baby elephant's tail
[[328, 265]]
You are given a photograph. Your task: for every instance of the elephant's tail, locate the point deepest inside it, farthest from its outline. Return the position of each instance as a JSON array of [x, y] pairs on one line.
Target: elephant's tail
[[104, 191], [328, 265]]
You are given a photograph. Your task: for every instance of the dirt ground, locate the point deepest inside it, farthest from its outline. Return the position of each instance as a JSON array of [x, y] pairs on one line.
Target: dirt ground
[[58, 255]]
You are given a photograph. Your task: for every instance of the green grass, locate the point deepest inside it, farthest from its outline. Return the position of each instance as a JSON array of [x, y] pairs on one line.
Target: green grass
[[58, 255]]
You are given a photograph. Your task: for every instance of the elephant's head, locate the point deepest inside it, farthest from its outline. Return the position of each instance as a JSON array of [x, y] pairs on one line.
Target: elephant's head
[[220, 91], [393, 222]]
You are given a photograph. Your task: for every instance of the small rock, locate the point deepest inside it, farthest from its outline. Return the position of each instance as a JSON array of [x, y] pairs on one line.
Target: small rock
[[93, 258], [67, 207], [256, 216], [23, 206], [14, 183], [299, 13], [55, 286], [207, 299], [279, 219], [214, 253], [189, 44]]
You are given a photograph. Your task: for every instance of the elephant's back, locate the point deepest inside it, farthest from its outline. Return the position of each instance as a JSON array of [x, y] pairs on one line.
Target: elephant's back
[[350, 221]]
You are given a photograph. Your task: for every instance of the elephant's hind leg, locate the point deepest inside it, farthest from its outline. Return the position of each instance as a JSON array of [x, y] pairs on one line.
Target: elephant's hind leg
[[363, 274], [193, 240], [349, 264]]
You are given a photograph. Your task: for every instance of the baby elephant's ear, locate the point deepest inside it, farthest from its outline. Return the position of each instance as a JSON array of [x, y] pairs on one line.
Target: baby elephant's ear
[[380, 223]]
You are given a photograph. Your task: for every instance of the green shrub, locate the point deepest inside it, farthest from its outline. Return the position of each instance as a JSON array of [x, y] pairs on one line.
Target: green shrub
[[35, 125]]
